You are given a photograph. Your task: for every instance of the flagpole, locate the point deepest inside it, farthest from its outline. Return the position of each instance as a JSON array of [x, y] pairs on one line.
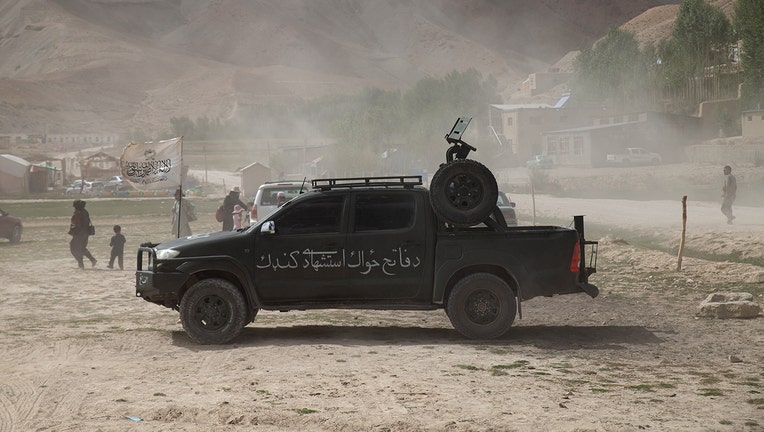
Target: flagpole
[[180, 187]]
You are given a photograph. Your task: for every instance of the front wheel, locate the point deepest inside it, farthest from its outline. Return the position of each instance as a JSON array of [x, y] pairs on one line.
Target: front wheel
[[481, 306], [15, 234], [213, 311]]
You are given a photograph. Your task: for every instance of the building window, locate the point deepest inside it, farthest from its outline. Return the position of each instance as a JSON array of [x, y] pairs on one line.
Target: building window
[[750, 118], [564, 145], [551, 146], [509, 122], [578, 145]]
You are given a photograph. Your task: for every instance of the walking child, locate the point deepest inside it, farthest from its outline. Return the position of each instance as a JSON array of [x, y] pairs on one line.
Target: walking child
[[117, 244]]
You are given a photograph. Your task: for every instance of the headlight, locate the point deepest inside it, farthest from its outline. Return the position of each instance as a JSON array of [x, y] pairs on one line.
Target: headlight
[[164, 254]]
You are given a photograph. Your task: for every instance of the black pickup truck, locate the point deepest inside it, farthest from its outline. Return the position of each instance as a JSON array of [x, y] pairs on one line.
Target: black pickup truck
[[363, 243]]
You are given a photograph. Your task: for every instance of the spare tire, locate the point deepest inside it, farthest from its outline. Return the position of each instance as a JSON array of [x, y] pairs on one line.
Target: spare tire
[[463, 192]]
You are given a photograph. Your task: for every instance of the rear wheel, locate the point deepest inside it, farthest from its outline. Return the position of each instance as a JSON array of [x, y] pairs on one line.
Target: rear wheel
[[481, 306], [463, 192], [213, 311]]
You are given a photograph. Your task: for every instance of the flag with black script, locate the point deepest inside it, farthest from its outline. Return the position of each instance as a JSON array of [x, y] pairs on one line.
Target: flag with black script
[[153, 165]]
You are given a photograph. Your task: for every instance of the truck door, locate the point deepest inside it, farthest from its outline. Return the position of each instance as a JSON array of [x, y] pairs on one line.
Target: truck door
[[386, 245], [304, 259]]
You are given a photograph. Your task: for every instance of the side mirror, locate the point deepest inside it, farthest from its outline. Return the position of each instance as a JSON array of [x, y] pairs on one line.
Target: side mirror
[[268, 227], [512, 204]]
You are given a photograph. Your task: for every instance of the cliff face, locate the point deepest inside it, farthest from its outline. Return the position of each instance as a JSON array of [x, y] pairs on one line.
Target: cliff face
[[117, 65]]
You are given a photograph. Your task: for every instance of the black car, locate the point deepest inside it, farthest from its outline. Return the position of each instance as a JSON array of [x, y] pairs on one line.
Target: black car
[[507, 208], [10, 227]]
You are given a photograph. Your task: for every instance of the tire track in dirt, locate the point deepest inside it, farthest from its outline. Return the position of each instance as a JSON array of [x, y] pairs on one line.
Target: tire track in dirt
[[20, 401]]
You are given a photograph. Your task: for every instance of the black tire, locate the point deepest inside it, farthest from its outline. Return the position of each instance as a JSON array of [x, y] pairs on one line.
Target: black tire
[[15, 235], [463, 192], [213, 311], [481, 306]]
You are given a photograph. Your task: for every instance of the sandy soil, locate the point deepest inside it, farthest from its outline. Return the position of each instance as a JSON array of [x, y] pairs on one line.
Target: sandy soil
[[81, 353]]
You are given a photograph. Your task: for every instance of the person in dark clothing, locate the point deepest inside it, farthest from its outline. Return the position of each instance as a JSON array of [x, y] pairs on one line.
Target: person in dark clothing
[[117, 244], [229, 203], [729, 191], [80, 230], [183, 212]]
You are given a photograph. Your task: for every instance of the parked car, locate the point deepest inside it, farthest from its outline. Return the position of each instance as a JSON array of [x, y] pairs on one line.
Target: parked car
[[265, 201], [97, 187], [540, 161], [89, 188], [634, 156], [10, 227], [507, 208], [78, 187], [114, 182]]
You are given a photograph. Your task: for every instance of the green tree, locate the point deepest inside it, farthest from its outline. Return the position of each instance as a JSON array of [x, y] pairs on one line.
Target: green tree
[[614, 70], [700, 42], [703, 32], [182, 126], [749, 25]]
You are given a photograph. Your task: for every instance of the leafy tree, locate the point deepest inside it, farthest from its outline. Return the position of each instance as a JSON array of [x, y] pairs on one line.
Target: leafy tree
[[183, 126], [749, 25], [700, 39], [703, 32], [614, 70]]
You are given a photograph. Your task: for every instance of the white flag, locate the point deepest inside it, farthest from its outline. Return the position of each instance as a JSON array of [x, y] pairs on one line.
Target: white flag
[[153, 165]]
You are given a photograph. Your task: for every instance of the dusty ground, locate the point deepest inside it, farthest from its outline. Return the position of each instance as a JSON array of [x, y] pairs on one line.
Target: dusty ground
[[81, 353]]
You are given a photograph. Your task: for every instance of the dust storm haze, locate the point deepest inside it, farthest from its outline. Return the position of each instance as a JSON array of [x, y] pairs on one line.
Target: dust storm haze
[[110, 66], [78, 66]]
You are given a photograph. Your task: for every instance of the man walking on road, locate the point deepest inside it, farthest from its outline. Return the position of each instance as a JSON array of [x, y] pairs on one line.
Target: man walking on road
[[729, 190]]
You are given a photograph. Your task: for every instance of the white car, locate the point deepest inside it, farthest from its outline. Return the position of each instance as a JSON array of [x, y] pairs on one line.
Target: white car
[[77, 187], [115, 181], [267, 196], [89, 188], [635, 156]]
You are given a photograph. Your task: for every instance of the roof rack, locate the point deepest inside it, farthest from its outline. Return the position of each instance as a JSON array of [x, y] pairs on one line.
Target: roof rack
[[355, 182]]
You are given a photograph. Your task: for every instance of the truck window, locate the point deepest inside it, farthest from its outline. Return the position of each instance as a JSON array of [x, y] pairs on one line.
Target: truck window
[[379, 211], [315, 216]]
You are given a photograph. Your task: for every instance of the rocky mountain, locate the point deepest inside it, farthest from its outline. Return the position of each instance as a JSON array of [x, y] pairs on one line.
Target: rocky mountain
[[76, 66]]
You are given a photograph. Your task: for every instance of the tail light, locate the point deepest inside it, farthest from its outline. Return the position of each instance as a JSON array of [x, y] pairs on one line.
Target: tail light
[[253, 213], [575, 260]]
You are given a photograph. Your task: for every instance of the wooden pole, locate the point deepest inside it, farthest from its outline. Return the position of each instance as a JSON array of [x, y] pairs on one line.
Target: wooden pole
[[533, 200], [684, 231]]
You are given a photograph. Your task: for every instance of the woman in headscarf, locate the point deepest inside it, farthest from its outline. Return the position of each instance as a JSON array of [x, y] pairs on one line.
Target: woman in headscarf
[[80, 230]]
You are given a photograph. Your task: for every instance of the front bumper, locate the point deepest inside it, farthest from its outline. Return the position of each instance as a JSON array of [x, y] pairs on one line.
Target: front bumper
[[154, 285]]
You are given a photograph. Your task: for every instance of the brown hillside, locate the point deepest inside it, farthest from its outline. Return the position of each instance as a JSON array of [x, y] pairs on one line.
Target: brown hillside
[[119, 65]]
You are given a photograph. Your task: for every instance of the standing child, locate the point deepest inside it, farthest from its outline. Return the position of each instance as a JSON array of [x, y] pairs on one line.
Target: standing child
[[117, 244], [237, 216]]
